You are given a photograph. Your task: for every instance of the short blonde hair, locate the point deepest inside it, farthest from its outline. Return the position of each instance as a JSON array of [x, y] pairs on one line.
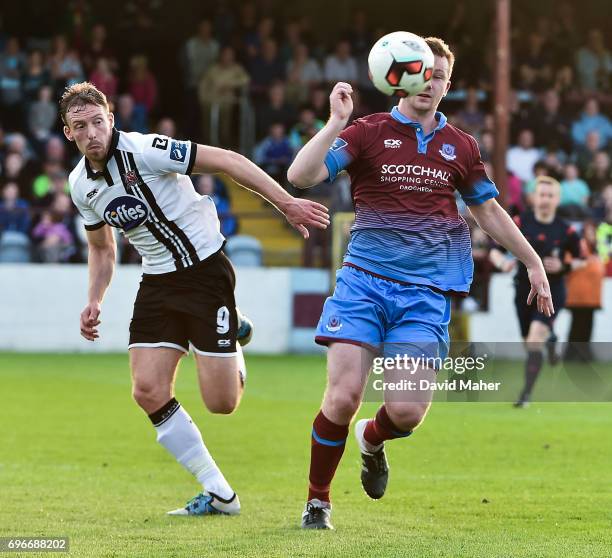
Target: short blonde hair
[[440, 48], [81, 94], [549, 181]]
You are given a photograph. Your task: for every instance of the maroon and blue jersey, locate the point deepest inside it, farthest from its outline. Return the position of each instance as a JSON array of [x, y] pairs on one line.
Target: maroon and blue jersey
[[403, 182]]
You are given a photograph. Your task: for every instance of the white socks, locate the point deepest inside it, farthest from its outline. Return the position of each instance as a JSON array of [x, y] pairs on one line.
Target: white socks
[[181, 437]]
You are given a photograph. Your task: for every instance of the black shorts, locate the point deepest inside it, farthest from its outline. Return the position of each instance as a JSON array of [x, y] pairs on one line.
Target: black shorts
[[194, 306], [527, 314]]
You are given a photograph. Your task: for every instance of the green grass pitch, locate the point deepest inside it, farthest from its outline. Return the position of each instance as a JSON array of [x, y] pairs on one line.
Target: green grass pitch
[[79, 459]]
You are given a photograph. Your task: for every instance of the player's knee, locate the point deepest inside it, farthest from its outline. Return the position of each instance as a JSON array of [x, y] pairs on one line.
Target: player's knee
[[407, 416], [150, 397], [344, 403], [224, 405]]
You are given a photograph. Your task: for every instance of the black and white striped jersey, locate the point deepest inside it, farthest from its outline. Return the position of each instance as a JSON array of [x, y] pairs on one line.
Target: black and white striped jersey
[[145, 193]]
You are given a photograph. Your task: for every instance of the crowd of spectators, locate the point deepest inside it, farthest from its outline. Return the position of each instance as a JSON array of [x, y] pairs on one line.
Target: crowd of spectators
[[561, 96]]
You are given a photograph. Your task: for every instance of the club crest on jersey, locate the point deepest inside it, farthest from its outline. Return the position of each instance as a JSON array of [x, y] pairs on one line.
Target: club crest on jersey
[[448, 151], [333, 324], [130, 178], [178, 151], [126, 212], [339, 143]]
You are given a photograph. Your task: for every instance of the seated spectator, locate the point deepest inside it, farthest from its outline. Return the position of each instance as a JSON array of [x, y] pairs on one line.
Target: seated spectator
[[539, 169], [307, 126], [219, 88], [266, 68], [69, 70], [274, 153], [142, 85], [129, 117], [207, 185], [254, 40], [14, 211], [36, 75], [15, 170], [470, 118], [200, 52], [42, 115], [98, 48], [594, 63], [303, 73], [599, 173], [275, 110], [585, 155], [604, 233], [574, 193], [592, 120], [12, 62], [487, 146], [292, 40], [46, 186], [55, 150], [166, 127], [54, 241], [104, 78], [521, 158], [340, 66], [534, 64], [551, 127], [319, 101]]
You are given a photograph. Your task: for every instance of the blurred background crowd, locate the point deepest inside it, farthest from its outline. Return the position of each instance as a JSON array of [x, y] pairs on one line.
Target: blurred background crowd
[[255, 77]]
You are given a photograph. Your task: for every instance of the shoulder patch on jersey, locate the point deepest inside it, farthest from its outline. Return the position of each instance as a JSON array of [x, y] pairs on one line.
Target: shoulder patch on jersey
[[339, 143], [178, 151], [160, 143]]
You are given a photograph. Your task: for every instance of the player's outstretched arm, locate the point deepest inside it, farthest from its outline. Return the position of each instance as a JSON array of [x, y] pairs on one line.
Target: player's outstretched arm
[[308, 168], [300, 213], [493, 219], [101, 263]]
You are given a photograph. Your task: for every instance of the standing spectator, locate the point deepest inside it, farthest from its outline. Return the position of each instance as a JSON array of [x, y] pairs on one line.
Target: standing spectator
[[594, 63], [275, 110], [274, 153], [14, 211], [341, 66], [42, 115], [303, 73], [592, 120], [521, 158], [128, 118], [470, 118], [551, 127], [12, 62], [266, 68], [584, 286], [104, 78], [36, 75], [142, 85], [219, 88], [574, 193]]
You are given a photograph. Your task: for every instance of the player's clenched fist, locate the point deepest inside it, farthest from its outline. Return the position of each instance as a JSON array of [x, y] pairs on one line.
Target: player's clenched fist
[[90, 321], [340, 101]]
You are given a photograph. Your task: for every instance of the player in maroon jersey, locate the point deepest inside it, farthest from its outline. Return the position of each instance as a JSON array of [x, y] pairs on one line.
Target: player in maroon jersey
[[409, 252]]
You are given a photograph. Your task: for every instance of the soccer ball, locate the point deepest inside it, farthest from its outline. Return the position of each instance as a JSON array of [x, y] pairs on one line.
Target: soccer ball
[[401, 64]]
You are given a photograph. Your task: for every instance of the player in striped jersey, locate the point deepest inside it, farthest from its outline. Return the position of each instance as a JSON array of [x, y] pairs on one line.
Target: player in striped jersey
[[139, 184]]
